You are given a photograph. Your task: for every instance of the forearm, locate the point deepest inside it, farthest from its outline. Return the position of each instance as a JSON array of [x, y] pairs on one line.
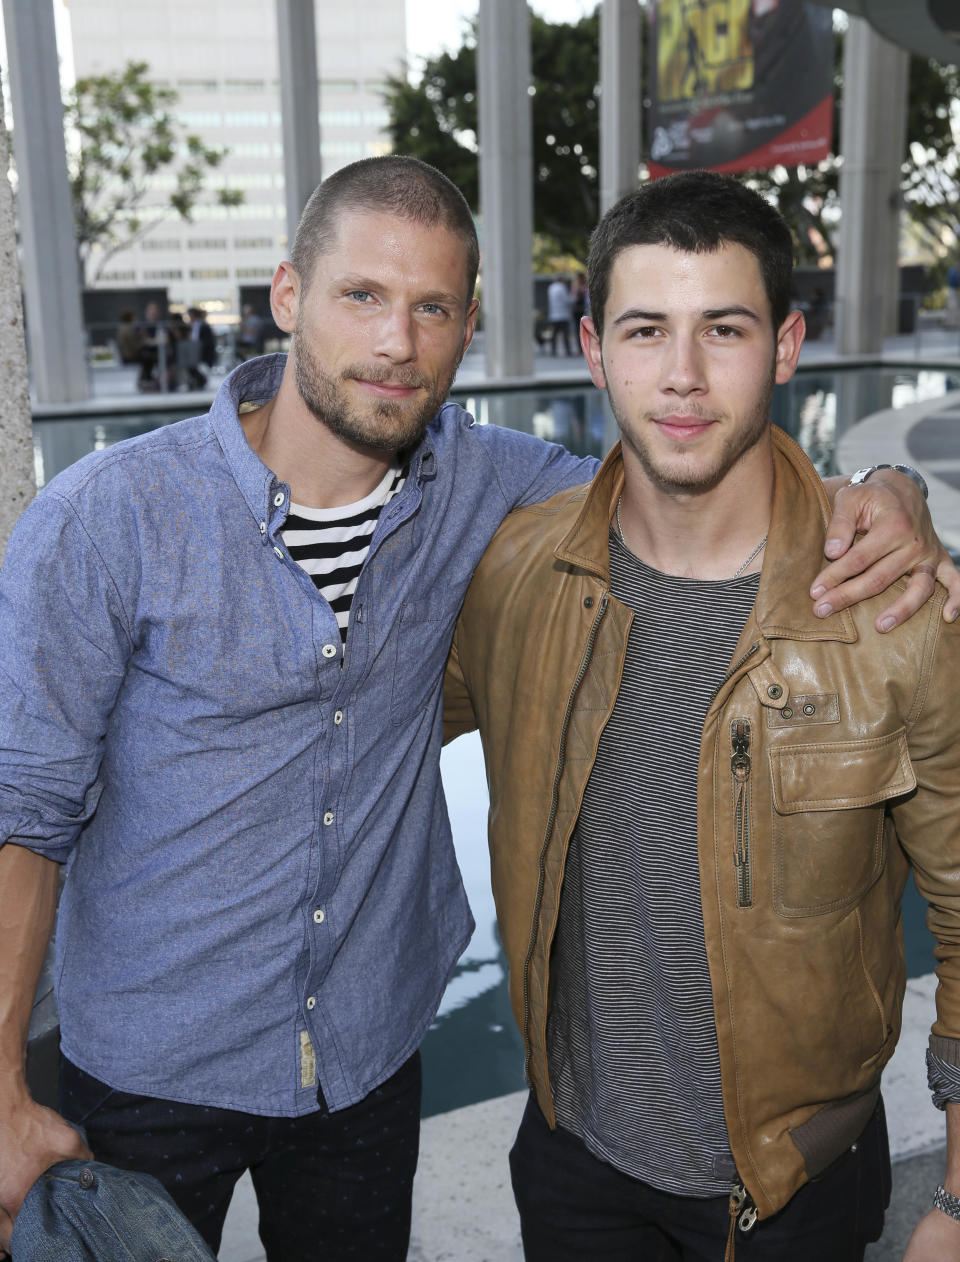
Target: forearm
[[28, 894], [951, 1178]]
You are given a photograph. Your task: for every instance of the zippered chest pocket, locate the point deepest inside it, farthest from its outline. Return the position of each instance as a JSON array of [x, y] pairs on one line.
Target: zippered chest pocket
[[828, 814]]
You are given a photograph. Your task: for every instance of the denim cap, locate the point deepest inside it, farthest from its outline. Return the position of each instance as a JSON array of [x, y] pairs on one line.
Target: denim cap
[[85, 1211]]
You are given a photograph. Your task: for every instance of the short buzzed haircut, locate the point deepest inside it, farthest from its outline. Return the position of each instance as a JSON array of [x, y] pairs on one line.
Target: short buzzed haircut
[[393, 185], [697, 212]]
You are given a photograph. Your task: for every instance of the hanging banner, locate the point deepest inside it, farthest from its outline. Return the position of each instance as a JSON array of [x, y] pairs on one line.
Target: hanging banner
[[739, 84]]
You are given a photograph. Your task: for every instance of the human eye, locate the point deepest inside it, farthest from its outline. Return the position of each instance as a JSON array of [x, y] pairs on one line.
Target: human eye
[[435, 310], [359, 295], [725, 332], [644, 332]]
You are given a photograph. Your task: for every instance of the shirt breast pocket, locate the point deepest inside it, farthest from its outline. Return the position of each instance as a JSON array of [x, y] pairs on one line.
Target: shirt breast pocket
[[829, 802], [424, 635]]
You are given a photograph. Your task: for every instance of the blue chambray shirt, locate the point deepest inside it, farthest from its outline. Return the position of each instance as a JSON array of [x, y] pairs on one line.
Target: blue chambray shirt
[[263, 893]]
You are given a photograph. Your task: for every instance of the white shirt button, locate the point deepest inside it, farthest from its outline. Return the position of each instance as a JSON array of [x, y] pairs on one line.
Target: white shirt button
[[329, 650], [319, 916], [338, 717], [311, 1003], [328, 818], [263, 527], [278, 499], [279, 553]]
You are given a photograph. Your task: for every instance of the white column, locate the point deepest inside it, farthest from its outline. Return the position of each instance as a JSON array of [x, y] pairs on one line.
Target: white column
[[506, 185], [299, 105], [51, 275], [17, 486], [873, 136], [621, 76]]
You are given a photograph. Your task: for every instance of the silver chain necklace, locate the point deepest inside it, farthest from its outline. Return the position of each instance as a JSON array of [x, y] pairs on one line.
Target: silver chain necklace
[[753, 555]]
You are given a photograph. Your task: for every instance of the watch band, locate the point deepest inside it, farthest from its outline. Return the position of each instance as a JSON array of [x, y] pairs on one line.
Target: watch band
[[949, 1205], [907, 470]]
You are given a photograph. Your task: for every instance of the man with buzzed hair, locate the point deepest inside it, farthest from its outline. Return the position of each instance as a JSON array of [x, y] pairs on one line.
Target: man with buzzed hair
[[220, 704]]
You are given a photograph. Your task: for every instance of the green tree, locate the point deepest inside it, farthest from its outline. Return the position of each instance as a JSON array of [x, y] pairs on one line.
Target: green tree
[[130, 163], [436, 120]]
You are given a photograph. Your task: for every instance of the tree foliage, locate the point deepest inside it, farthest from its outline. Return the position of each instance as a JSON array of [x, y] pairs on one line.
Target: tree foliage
[[436, 120], [127, 155]]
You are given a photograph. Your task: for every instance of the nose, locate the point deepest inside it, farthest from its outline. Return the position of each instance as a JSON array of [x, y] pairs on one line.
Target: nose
[[396, 335], [682, 370]]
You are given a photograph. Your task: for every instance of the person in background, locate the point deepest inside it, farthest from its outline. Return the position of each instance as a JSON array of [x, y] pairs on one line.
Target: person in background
[[204, 339], [579, 306], [558, 314], [128, 337], [250, 336]]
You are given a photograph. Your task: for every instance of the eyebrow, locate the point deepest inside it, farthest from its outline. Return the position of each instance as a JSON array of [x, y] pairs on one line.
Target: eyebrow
[[714, 313]]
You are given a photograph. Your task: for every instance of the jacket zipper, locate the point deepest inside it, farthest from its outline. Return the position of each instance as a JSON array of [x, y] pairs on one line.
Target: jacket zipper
[[740, 765], [734, 668], [742, 1208], [554, 803]]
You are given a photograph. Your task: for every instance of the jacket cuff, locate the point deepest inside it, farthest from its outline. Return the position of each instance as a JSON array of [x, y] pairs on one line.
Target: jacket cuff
[[943, 1071]]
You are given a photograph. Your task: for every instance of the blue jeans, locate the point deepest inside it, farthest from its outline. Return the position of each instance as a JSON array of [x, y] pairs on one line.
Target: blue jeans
[[83, 1211], [576, 1208], [329, 1185]]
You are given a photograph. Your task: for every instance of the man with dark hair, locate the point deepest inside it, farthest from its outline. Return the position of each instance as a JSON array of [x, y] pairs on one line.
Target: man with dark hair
[[704, 800], [224, 645]]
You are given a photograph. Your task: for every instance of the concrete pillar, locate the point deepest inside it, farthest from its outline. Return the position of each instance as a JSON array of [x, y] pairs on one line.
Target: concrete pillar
[[299, 105], [873, 135], [17, 485], [506, 185], [621, 76], [51, 274]]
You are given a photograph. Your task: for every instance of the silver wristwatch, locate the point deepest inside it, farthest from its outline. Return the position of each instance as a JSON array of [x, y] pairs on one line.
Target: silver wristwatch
[[950, 1205], [907, 470]]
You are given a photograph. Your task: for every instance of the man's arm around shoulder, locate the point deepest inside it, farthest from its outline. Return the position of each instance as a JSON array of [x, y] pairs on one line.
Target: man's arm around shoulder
[[32, 1138]]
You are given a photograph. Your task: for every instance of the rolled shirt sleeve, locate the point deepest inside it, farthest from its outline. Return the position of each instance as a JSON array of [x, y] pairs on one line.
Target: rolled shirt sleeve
[[65, 645]]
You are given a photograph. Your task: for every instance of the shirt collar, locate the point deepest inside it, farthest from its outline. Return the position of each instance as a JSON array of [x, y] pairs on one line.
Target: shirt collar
[[793, 555], [255, 381]]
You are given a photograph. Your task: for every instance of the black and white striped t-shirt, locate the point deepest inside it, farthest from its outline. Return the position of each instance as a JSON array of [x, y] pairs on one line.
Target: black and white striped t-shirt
[[631, 1038], [331, 544]]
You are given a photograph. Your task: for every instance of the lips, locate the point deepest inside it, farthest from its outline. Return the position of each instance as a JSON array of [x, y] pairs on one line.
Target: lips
[[682, 429], [387, 389]]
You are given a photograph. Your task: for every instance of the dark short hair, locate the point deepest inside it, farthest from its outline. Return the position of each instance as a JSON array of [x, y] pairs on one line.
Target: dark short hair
[[697, 212], [394, 185]]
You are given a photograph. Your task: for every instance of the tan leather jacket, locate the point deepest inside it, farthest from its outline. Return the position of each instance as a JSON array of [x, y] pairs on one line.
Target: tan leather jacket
[[830, 761]]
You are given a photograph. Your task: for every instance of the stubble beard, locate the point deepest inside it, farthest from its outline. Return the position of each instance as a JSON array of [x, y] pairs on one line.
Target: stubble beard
[[388, 424], [670, 474]]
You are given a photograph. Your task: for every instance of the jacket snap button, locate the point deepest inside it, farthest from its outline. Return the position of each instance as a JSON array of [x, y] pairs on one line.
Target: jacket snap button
[[787, 712], [86, 1178], [809, 709], [588, 602], [775, 691]]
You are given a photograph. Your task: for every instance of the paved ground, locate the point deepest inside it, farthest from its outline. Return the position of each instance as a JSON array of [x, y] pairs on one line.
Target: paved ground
[[463, 1207]]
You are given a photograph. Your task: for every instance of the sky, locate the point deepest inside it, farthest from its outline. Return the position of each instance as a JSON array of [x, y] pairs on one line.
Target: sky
[[434, 27]]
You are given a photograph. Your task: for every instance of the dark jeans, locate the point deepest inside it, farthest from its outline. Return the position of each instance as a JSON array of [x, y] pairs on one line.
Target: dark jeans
[[560, 328], [329, 1185], [576, 1208]]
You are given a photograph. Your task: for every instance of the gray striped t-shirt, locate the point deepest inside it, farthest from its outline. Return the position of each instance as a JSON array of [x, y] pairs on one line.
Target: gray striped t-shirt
[[632, 1042]]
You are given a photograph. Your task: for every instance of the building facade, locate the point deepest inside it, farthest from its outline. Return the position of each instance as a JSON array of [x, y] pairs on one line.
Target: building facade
[[220, 56]]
